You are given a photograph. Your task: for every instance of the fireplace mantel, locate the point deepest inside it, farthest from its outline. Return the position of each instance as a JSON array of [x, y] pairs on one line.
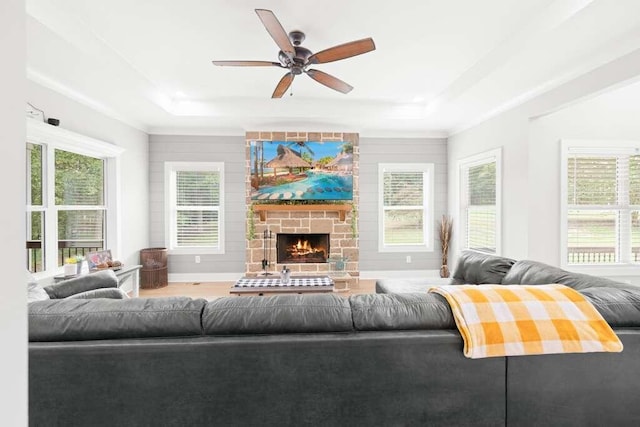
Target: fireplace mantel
[[342, 209]]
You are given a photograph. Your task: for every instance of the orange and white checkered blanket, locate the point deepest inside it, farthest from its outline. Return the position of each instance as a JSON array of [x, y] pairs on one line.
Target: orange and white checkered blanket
[[513, 320]]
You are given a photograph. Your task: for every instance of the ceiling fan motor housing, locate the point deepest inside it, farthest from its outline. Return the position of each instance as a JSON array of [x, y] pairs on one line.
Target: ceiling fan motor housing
[[299, 60]]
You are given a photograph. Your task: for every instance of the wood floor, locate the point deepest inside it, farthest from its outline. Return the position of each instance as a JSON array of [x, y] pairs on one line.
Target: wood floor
[[211, 290]]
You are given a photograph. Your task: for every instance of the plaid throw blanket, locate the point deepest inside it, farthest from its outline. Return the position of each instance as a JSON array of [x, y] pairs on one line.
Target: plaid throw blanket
[[513, 320]]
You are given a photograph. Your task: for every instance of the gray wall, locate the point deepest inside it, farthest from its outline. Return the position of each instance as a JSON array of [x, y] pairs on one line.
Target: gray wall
[[134, 195], [397, 150], [13, 308], [231, 151], [227, 149]]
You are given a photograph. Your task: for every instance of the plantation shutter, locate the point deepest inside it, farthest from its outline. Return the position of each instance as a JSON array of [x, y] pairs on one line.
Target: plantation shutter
[[634, 201], [603, 201], [592, 185], [481, 207], [403, 197], [197, 208]]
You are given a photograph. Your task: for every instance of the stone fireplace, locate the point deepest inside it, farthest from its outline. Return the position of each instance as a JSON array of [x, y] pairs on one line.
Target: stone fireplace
[[335, 220], [302, 248]]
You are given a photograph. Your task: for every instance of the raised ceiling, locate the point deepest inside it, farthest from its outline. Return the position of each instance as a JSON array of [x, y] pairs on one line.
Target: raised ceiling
[[439, 66]]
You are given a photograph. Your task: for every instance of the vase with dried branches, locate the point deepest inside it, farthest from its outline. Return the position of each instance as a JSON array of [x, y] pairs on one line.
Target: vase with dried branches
[[444, 234]]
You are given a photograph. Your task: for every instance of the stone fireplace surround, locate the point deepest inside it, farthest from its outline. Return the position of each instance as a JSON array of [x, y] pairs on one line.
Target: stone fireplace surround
[[338, 219]]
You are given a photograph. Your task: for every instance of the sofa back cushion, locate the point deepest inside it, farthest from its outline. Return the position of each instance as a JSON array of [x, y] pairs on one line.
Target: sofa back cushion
[[97, 280], [379, 312], [97, 319], [477, 268], [277, 314], [527, 272], [619, 307]]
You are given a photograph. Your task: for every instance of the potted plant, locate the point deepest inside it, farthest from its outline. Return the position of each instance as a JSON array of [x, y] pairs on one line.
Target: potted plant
[[73, 265]]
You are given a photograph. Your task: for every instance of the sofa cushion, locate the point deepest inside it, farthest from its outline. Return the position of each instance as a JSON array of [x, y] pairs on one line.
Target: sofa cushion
[[536, 273], [408, 285], [35, 292], [86, 282], [277, 314], [477, 268], [619, 307], [97, 319], [113, 293], [377, 312]]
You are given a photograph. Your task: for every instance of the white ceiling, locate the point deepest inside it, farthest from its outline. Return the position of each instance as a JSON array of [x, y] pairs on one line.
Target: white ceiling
[[440, 66]]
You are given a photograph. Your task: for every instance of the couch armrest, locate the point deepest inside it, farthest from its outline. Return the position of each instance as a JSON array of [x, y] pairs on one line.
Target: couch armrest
[[88, 282]]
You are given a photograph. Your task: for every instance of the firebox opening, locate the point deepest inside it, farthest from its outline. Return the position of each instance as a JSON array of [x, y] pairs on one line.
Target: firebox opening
[[302, 248]]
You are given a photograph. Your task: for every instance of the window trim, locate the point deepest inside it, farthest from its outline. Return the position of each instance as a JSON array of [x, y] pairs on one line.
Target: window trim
[[52, 138], [595, 147], [170, 210], [428, 169], [464, 164]]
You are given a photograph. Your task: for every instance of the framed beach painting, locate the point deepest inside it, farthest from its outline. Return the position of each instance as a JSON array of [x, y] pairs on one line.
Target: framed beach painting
[[301, 170]]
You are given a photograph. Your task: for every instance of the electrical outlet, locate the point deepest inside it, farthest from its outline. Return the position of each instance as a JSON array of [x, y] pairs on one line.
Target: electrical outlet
[[197, 259], [408, 259]]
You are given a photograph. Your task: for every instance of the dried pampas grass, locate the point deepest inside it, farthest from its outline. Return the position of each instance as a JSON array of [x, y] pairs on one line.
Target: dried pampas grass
[[444, 234]]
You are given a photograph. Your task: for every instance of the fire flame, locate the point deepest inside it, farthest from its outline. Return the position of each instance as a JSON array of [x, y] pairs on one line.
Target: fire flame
[[303, 247]]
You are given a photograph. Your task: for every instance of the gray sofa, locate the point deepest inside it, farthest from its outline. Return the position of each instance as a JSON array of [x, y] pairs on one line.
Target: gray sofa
[[368, 360]]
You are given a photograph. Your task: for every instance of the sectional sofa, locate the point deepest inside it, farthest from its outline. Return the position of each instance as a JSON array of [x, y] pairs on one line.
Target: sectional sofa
[[391, 359]]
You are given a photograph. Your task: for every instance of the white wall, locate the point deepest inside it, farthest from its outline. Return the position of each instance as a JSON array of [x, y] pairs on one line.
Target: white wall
[[608, 117], [508, 131], [589, 106], [13, 319], [134, 162]]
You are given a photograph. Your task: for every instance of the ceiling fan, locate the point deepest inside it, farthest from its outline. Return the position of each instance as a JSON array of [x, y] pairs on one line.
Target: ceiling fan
[[297, 59]]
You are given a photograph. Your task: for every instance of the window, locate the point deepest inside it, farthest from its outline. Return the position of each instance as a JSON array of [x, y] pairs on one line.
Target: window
[[480, 202], [194, 197], [406, 207], [69, 211], [600, 204]]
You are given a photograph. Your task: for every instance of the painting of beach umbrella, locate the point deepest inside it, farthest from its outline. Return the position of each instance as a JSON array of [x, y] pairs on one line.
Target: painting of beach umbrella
[[287, 158]]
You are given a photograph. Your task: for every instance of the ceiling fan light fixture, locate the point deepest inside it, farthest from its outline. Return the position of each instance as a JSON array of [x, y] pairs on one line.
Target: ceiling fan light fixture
[[297, 59]]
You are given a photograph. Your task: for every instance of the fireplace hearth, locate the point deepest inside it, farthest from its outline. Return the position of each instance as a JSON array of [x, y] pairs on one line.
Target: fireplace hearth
[[297, 248]]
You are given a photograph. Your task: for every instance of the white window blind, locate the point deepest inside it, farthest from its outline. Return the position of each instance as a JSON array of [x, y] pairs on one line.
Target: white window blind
[[195, 199], [479, 202], [602, 207], [406, 192]]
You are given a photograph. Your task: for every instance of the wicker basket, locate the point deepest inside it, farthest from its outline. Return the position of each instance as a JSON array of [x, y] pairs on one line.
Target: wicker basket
[[153, 274]]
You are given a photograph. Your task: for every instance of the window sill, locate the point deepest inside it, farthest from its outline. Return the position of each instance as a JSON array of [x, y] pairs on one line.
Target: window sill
[[396, 249], [195, 251], [611, 270]]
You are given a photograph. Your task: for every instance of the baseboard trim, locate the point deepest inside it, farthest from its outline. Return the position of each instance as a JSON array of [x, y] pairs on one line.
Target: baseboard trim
[[391, 274], [225, 277], [204, 277]]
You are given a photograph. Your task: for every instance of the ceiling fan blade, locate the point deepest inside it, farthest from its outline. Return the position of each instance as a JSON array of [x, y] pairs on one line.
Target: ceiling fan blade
[[275, 30], [329, 81], [283, 85], [343, 51], [247, 63]]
